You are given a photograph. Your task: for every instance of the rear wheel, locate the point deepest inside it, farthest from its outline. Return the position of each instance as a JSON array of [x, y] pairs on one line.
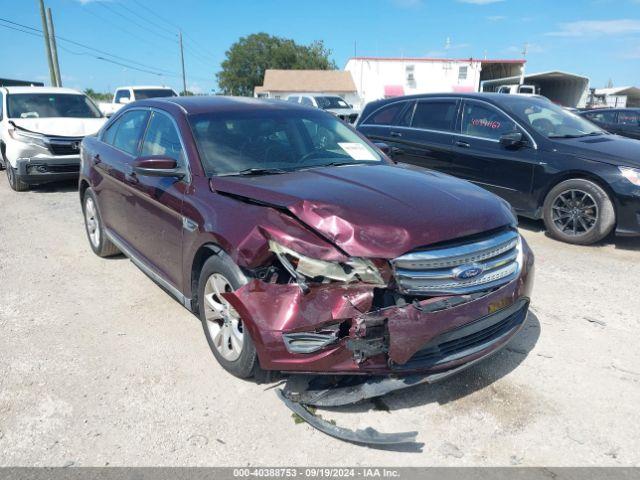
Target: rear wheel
[[578, 211], [15, 182], [99, 242], [224, 329]]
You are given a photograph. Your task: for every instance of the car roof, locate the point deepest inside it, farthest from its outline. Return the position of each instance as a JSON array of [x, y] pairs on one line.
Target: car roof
[[612, 109], [140, 87], [41, 90], [206, 104]]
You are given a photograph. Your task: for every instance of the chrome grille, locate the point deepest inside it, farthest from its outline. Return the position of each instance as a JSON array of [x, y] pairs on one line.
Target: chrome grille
[[460, 269]]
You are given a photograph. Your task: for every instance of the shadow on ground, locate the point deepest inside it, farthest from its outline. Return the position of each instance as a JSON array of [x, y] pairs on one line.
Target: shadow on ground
[[620, 243]]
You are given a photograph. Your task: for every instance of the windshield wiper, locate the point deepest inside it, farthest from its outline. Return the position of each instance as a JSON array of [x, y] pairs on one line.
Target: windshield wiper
[[579, 135], [256, 171], [333, 164]]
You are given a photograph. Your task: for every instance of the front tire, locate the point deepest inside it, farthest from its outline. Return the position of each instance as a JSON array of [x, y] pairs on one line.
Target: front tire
[[578, 211], [94, 227], [15, 182], [229, 340]]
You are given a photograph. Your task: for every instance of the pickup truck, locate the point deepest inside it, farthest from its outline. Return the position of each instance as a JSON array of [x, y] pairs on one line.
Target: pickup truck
[[124, 95]]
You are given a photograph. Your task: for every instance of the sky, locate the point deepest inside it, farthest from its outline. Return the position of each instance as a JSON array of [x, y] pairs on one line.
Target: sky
[[137, 40]]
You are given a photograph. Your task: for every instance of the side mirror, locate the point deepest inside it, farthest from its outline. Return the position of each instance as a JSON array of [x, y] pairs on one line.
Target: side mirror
[[158, 166], [512, 140], [386, 149]]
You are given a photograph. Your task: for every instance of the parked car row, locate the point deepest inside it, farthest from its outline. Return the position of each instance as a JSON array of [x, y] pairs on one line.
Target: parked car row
[[303, 247], [622, 121]]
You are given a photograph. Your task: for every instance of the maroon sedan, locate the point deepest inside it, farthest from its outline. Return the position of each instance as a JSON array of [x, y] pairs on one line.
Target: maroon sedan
[[300, 246]]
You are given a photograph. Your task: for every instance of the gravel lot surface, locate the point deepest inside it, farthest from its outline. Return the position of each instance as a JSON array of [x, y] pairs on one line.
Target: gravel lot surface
[[98, 366]]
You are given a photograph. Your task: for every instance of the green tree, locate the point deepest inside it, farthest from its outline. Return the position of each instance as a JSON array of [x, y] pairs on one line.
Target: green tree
[[98, 97], [249, 57]]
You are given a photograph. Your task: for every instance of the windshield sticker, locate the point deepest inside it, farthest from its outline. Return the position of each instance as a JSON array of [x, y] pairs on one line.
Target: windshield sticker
[[358, 151], [483, 122]]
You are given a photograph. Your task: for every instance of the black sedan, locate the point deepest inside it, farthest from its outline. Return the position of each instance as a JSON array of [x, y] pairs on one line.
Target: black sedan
[[622, 121], [547, 162]]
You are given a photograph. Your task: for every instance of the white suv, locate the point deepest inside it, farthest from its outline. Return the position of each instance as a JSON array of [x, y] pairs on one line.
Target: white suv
[[331, 103], [40, 133]]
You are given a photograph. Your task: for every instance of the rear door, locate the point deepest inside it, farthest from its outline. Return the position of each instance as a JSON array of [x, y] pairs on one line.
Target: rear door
[[483, 160], [158, 201], [629, 123], [605, 119], [120, 142], [428, 142]]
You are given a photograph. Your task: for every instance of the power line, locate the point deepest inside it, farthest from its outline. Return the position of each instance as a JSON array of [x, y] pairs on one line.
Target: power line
[[203, 51], [139, 25], [73, 42], [35, 32]]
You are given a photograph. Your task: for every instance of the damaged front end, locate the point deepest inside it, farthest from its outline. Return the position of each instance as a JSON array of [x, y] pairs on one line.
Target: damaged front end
[[428, 311]]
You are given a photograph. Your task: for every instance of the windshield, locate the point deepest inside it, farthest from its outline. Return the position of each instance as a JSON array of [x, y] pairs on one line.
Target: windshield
[[43, 105], [331, 102], [551, 120], [273, 141], [143, 93]]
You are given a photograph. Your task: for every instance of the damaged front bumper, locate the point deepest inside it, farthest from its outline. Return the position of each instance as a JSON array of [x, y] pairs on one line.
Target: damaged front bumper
[[432, 335]]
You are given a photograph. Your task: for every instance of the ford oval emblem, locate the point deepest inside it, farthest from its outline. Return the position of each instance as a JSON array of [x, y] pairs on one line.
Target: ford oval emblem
[[465, 272]]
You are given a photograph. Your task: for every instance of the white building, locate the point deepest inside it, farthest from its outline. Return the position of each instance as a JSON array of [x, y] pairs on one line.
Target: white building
[[376, 78], [616, 97], [282, 83]]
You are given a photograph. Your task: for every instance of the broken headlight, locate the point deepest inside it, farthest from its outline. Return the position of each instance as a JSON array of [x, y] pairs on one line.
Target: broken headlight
[[304, 268]]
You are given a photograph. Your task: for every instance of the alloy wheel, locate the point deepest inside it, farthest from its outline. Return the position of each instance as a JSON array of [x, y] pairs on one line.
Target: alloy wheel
[[91, 220], [223, 322], [574, 212]]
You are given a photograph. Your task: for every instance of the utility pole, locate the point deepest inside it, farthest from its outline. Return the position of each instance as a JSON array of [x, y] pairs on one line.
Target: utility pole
[[47, 44], [184, 77], [525, 48], [54, 49]]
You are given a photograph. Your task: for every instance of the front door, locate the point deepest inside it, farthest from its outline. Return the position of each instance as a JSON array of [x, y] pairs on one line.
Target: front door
[[158, 211], [483, 160]]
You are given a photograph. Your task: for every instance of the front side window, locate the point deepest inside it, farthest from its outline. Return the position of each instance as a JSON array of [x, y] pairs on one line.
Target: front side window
[[162, 139], [307, 101], [51, 105], [233, 143], [128, 131], [435, 115], [142, 93], [629, 118], [549, 119], [484, 121]]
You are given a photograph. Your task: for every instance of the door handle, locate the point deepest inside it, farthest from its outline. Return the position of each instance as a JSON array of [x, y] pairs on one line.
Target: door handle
[[462, 144], [395, 134]]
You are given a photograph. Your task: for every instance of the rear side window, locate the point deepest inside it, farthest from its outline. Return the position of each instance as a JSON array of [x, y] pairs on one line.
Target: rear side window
[[484, 121], [385, 115], [629, 118], [128, 131], [120, 94], [162, 139], [435, 115], [602, 117]]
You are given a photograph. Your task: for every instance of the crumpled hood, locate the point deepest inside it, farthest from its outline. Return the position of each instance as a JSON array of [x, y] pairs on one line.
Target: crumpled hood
[[612, 149], [376, 211], [342, 111], [61, 126]]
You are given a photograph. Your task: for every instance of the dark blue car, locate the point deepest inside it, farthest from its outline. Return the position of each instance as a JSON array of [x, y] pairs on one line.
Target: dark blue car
[[547, 162]]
